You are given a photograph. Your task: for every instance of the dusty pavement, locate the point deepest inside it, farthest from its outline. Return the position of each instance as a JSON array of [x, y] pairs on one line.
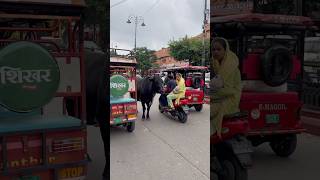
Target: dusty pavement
[[162, 148], [303, 164]]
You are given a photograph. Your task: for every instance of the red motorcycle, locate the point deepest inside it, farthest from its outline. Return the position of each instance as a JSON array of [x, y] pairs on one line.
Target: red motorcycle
[[231, 154]]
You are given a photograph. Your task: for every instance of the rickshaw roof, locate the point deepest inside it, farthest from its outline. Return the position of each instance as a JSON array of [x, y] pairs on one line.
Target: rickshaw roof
[[264, 18], [41, 9], [187, 68], [75, 3], [120, 60]]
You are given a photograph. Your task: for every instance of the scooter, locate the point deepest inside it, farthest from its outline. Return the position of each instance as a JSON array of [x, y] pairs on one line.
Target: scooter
[[180, 110], [231, 154]]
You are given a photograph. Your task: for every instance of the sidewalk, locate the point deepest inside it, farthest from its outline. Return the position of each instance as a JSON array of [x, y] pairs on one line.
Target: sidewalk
[[310, 118]]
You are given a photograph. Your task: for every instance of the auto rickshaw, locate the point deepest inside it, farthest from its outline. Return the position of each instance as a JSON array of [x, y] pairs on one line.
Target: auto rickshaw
[[41, 66], [123, 89], [270, 49], [195, 83]]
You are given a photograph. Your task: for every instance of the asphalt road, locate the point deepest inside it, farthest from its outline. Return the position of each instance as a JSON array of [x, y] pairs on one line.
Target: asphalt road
[[162, 148], [303, 164]]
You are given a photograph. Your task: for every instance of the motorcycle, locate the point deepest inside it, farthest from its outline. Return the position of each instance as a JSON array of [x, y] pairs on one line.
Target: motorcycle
[[231, 154], [179, 112]]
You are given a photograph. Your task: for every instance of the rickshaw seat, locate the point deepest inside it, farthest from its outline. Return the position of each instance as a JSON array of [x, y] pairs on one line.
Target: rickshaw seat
[[37, 122]]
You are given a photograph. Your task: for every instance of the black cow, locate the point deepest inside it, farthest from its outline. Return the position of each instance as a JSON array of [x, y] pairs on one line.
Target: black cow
[[96, 97], [147, 89]]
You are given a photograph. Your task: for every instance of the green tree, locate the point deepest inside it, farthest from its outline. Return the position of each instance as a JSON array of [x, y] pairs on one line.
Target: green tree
[[145, 58], [96, 14], [189, 49]]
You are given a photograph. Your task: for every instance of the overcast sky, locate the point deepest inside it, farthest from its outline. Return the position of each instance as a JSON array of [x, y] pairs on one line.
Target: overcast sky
[[165, 20]]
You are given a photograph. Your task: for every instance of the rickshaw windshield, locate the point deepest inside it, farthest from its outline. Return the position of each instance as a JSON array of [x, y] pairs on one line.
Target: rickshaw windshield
[[257, 44]]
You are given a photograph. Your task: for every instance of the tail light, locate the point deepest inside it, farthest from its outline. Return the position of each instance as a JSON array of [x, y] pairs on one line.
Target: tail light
[[67, 145], [131, 108], [117, 110]]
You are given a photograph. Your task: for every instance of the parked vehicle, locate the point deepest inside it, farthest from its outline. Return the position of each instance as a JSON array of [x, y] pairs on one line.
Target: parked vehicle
[[123, 90], [195, 83], [41, 65], [270, 50]]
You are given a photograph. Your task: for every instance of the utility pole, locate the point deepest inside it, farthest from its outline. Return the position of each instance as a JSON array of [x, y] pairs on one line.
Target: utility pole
[[136, 20], [205, 21]]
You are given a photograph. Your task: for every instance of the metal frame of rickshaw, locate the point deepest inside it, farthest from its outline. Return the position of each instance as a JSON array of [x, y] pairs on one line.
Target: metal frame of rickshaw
[[225, 27], [38, 12], [265, 29], [187, 69], [124, 67]]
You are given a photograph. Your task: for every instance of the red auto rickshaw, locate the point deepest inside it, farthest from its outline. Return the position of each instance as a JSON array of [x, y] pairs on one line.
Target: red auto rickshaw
[[270, 49], [195, 83]]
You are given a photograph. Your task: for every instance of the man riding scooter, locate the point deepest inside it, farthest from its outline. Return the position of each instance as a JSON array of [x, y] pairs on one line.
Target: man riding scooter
[[175, 90], [170, 84]]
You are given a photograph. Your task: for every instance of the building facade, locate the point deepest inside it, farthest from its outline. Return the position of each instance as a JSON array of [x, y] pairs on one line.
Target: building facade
[[164, 60]]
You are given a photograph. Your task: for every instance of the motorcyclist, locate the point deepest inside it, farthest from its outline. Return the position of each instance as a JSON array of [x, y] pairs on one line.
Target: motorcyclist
[[169, 86]]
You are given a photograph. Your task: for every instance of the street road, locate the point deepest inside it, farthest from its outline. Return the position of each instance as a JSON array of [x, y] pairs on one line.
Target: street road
[[96, 152], [162, 148], [303, 164]]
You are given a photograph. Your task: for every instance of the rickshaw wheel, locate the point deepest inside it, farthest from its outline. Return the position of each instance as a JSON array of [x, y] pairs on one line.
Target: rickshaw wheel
[[198, 107], [131, 126], [284, 146]]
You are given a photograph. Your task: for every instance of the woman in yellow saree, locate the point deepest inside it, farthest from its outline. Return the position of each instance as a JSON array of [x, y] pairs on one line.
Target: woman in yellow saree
[[226, 99]]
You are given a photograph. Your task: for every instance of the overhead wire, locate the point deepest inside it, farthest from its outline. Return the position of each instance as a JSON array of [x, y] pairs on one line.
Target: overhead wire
[[118, 3], [151, 7]]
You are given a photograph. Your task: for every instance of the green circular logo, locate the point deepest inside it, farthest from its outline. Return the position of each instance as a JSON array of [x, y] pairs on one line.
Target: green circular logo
[[29, 76], [119, 85]]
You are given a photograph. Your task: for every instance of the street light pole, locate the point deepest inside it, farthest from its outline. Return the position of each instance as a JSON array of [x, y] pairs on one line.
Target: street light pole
[[136, 20], [203, 33]]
